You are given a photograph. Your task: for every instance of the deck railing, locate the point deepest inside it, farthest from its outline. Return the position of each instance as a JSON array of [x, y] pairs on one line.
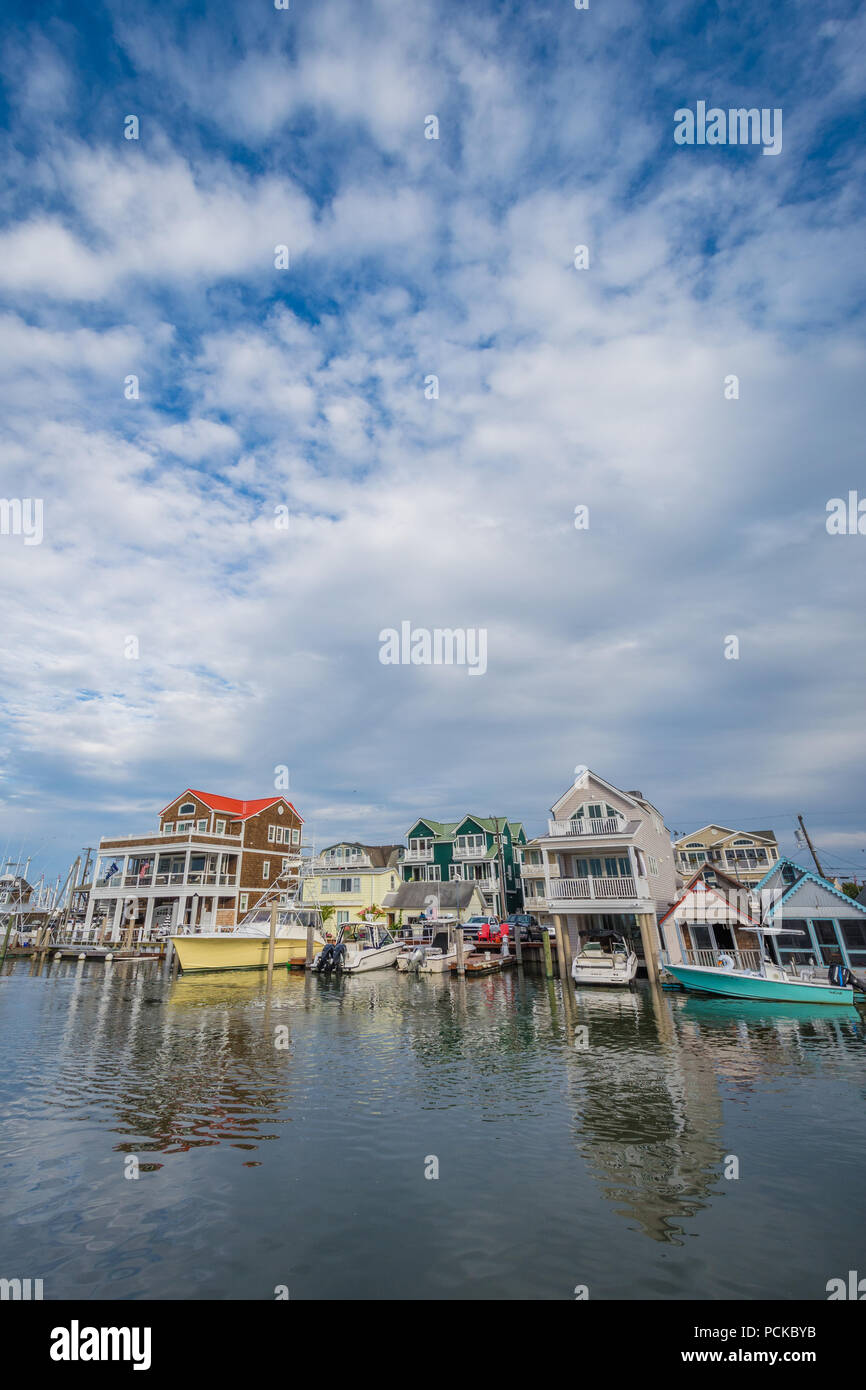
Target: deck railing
[[621, 887], [585, 825], [743, 959]]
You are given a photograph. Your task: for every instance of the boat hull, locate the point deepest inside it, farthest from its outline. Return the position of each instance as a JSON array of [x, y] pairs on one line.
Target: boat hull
[[740, 985], [381, 958], [200, 953], [599, 974]]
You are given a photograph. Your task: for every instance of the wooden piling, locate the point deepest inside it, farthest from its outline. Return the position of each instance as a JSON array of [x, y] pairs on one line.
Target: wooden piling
[[548, 954], [461, 964], [309, 957]]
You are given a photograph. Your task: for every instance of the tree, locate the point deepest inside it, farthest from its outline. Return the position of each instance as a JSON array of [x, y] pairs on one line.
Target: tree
[[852, 889]]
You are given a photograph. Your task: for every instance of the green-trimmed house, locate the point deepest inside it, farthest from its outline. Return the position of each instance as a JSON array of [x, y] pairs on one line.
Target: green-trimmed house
[[467, 850]]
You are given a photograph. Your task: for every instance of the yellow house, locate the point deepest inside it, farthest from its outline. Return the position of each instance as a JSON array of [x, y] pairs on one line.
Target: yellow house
[[352, 877]]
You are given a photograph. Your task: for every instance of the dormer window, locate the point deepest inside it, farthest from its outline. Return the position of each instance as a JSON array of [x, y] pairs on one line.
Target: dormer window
[[187, 809]]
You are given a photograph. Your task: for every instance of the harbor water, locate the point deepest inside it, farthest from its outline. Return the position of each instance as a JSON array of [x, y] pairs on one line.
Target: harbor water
[[389, 1136]]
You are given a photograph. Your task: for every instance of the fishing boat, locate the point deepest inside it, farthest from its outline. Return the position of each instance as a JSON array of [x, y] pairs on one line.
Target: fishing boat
[[605, 958], [246, 946], [359, 946], [771, 983]]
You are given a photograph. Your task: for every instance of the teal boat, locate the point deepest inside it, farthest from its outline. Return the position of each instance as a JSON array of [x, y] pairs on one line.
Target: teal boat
[[771, 984]]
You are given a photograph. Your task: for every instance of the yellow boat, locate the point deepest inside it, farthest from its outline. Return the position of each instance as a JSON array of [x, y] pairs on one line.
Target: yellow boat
[[245, 947]]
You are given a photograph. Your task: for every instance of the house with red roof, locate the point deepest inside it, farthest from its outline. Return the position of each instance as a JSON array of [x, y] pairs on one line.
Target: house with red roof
[[211, 859]]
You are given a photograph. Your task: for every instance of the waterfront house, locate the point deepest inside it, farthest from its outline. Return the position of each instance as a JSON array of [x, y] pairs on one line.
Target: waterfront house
[[714, 914], [468, 851], [352, 877], [747, 854], [605, 862], [210, 860], [825, 926]]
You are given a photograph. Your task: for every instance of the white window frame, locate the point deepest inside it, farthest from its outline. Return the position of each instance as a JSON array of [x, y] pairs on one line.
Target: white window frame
[[272, 830], [266, 870], [168, 828], [221, 827], [243, 901], [296, 837], [187, 809]]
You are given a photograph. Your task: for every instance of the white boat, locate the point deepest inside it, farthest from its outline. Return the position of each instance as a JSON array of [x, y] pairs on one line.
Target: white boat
[[359, 946], [433, 957], [606, 959]]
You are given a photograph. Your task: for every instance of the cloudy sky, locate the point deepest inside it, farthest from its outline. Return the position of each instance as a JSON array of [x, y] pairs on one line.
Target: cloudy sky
[[262, 389]]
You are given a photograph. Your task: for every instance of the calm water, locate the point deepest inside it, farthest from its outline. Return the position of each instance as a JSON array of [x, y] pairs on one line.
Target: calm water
[[304, 1165]]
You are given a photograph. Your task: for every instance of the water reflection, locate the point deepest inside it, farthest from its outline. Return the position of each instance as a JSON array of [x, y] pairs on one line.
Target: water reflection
[[619, 1143]]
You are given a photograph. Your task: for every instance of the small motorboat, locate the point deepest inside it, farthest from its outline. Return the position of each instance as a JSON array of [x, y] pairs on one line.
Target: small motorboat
[[359, 946], [435, 957], [604, 959]]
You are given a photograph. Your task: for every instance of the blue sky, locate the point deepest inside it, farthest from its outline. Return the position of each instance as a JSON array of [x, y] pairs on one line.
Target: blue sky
[[304, 388]]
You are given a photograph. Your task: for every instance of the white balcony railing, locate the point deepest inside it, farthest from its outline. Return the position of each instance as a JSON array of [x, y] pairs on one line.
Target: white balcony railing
[[609, 825], [469, 851], [619, 888], [419, 853]]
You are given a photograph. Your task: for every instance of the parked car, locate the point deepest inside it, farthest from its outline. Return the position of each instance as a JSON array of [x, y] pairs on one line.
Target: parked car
[[526, 924]]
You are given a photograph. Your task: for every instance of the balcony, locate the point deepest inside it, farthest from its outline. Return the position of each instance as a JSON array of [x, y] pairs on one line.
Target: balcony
[[620, 888], [609, 825], [417, 854], [469, 851]]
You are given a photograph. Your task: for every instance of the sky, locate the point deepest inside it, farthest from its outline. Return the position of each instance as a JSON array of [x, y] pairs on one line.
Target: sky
[[225, 538]]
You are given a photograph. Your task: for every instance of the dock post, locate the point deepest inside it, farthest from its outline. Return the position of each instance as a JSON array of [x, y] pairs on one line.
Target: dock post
[[561, 947], [309, 958], [650, 944], [461, 964], [548, 955], [271, 939]]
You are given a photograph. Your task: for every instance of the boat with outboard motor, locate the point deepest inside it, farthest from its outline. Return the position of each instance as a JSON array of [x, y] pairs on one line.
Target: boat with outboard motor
[[246, 946], [605, 958], [771, 983], [435, 953], [359, 946]]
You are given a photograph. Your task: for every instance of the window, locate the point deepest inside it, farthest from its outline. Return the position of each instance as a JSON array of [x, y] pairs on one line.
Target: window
[[187, 809], [220, 827], [266, 869], [744, 842], [471, 844], [653, 864], [694, 844], [296, 837], [201, 825], [244, 901], [183, 826], [342, 915], [168, 828], [284, 865], [272, 830], [434, 872]]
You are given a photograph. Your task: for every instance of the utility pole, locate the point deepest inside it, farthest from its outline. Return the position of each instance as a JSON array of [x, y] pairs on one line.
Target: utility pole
[[811, 846]]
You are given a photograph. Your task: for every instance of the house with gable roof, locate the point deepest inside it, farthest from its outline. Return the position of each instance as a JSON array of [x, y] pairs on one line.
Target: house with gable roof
[[715, 914], [210, 860], [823, 926], [468, 851], [747, 854]]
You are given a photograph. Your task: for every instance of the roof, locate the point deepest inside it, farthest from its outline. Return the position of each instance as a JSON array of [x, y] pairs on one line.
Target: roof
[[806, 876], [727, 832], [444, 829], [380, 856], [241, 810], [744, 918], [581, 779], [411, 896]]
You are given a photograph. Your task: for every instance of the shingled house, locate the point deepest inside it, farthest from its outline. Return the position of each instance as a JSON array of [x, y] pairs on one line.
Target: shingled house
[[207, 864], [468, 851], [352, 877]]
